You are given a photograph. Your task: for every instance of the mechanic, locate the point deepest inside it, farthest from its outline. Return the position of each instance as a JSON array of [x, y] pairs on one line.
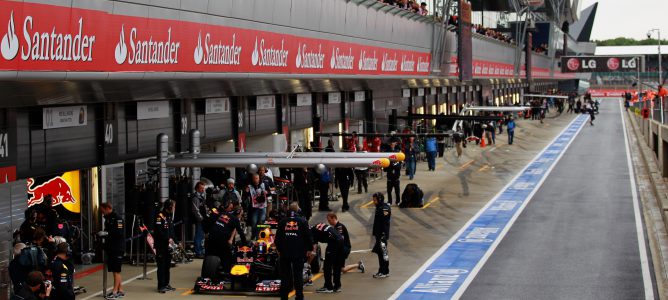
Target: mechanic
[[163, 234], [221, 236], [393, 181], [62, 271], [324, 233], [333, 221], [381, 230], [294, 244], [114, 246]]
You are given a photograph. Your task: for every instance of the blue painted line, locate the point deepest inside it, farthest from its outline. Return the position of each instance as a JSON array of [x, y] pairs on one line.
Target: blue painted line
[[447, 274]]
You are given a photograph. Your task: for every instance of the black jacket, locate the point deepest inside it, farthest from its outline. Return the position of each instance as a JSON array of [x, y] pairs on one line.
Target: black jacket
[[293, 238], [114, 243], [381, 221], [393, 171], [344, 177], [343, 231], [162, 232], [323, 233], [63, 280], [25, 293]]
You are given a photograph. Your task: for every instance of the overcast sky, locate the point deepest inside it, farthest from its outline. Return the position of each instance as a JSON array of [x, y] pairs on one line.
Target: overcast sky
[[628, 18]]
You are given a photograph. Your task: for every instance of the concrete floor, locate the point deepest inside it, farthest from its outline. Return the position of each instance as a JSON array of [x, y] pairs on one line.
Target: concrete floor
[[577, 239], [453, 193]]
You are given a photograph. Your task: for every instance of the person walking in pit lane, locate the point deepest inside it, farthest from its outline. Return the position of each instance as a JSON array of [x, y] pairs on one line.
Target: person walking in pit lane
[[381, 231]]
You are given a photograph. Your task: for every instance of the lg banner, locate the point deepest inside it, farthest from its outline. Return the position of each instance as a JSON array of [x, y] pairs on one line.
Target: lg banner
[[56, 38], [588, 64]]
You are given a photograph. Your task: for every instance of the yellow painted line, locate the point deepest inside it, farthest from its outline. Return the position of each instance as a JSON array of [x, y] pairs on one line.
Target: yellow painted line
[[430, 202], [466, 165], [188, 292], [366, 205], [485, 167], [316, 276]]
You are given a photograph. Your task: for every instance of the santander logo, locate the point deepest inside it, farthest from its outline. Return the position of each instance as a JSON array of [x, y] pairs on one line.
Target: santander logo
[[407, 65], [121, 51], [341, 61], [9, 46], [270, 56], [199, 52], [212, 53], [146, 51], [389, 64], [309, 59], [368, 63], [49, 45]]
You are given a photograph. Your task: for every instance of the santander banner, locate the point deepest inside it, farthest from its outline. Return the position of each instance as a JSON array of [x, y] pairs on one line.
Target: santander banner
[[54, 38]]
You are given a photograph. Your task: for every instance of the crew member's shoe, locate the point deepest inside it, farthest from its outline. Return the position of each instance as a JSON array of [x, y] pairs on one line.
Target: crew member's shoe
[[337, 289], [324, 290], [169, 287], [380, 275], [360, 266], [163, 290]]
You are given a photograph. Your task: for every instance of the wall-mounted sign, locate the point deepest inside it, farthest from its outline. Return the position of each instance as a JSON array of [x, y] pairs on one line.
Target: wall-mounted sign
[[420, 92], [588, 64], [333, 98], [433, 91], [152, 110], [266, 102], [406, 93], [42, 37], [360, 96], [304, 99], [64, 116], [217, 105], [65, 190]]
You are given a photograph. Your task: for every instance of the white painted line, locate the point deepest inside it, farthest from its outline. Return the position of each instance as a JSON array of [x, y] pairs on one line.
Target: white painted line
[[123, 283], [642, 249], [454, 237], [361, 251]]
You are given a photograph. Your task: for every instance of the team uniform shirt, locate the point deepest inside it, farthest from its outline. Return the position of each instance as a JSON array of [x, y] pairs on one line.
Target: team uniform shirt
[[163, 231], [293, 238], [63, 279], [115, 241]]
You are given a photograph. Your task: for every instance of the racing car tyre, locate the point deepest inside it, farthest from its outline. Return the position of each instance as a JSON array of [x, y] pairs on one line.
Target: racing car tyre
[[210, 266]]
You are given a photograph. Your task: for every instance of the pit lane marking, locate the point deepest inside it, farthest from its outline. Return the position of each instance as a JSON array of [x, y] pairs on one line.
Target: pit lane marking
[[430, 202], [447, 273], [466, 165], [366, 205], [315, 277]]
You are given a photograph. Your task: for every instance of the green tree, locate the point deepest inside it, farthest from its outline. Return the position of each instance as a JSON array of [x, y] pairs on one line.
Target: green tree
[[622, 41]]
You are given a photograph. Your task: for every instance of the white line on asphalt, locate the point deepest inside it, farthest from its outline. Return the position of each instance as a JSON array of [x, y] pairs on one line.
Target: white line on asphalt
[[644, 261], [123, 283], [475, 270], [361, 251]]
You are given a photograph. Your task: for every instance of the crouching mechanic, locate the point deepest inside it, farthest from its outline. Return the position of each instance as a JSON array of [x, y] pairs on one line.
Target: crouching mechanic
[[323, 233], [333, 221], [293, 243], [222, 230]]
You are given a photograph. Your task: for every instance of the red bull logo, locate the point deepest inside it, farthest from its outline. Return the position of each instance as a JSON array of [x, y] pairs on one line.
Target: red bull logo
[[58, 187]]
